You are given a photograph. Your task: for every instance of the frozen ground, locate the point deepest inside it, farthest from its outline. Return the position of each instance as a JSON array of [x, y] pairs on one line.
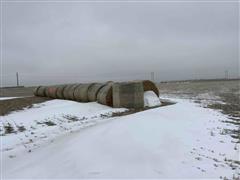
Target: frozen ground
[[28, 129], [51, 140]]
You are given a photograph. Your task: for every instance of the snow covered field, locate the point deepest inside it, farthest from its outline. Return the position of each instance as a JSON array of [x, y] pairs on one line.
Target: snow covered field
[[65, 139]]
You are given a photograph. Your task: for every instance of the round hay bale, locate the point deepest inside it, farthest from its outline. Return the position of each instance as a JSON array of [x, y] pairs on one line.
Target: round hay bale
[[81, 92], [66, 90], [150, 86], [41, 91], [128, 95], [104, 95], [35, 90], [51, 92], [71, 91], [93, 91], [60, 90]]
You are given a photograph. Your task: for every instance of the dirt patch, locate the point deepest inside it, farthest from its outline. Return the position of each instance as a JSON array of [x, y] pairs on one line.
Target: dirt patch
[[231, 108], [48, 123], [9, 105], [9, 128], [231, 104], [132, 111]]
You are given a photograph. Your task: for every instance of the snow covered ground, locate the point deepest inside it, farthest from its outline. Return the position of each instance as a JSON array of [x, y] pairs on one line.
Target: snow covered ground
[[30, 128], [6, 98], [183, 140]]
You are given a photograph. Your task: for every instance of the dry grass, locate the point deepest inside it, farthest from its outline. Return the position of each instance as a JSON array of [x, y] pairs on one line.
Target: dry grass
[[7, 106]]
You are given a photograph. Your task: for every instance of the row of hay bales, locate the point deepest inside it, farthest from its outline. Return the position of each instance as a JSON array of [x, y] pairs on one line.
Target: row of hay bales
[[122, 94]]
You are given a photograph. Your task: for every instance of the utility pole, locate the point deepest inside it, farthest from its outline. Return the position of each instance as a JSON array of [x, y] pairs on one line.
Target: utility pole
[[17, 79], [226, 74], [152, 76]]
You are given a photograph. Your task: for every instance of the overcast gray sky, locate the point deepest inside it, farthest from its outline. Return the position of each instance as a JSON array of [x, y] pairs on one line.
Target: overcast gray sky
[[59, 42]]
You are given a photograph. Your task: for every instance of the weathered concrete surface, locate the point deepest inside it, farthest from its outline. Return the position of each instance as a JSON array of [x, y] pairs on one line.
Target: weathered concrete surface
[[128, 95]]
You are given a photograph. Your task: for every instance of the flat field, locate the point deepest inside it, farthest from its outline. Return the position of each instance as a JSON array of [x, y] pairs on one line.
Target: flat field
[[195, 136]]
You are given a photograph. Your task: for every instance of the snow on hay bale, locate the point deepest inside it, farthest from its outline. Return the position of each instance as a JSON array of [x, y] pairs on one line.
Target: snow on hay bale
[[151, 99], [60, 90], [81, 92], [41, 91], [93, 91], [51, 91], [150, 86], [104, 95], [128, 95]]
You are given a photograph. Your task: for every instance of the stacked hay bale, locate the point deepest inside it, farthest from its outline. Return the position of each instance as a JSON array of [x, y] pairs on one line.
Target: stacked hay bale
[[35, 91], [71, 91], [66, 90], [51, 91], [104, 95], [128, 95], [125, 94], [93, 91], [81, 93], [40, 91], [60, 91]]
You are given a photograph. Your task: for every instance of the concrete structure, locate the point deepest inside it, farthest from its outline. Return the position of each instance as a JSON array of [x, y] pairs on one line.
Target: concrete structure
[[128, 95]]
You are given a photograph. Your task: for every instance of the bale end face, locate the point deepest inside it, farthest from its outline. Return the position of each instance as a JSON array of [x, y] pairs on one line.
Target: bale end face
[[128, 95], [150, 86]]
